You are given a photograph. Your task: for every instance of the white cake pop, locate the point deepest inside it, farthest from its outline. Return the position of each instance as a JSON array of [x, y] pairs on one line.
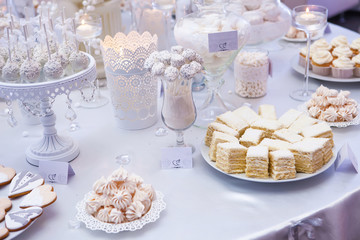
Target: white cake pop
[[78, 61], [2, 63], [4, 53], [40, 55], [62, 58], [53, 69], [10, 71], [30, 71], [66, 49]]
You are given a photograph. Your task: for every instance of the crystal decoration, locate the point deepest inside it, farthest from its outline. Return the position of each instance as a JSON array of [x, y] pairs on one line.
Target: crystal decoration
[[74, 224], [160, 132], [11, 118], [123, 159]]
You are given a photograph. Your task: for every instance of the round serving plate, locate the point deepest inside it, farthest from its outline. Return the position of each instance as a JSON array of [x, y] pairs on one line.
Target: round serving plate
[[355, 121], [301, 40], [295, 65], [39, 90], [92, 223], [242, 176]]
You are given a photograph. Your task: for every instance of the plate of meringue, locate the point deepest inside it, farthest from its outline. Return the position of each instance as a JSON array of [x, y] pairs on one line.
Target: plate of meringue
[[120, 202], [332, 106]]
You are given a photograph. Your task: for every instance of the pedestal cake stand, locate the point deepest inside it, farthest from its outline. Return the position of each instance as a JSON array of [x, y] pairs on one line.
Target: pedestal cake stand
[[51, 147]]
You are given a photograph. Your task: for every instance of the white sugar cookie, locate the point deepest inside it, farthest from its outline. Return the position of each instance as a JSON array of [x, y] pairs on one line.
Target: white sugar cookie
[[41, 196], [4, 232], [23, 183], [6, 174], [20, 219], [5, 205]]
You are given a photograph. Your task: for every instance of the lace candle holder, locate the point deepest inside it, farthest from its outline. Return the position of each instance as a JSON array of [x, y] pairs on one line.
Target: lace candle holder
[[133, 89]]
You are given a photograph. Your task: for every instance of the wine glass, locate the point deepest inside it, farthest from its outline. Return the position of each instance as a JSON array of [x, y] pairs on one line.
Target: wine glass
[[88, 27], [195, 31], [309, 18], [178, 111], [166, 6]]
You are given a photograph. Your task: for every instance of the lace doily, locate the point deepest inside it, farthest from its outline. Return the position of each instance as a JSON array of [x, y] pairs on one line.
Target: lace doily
[[355, 121], [92, 223]]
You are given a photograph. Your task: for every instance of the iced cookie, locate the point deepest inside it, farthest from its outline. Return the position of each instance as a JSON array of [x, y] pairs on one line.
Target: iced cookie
[[23, 183], [20, 219], [4, 233], [5, 205], [6, 174], [41, 196]]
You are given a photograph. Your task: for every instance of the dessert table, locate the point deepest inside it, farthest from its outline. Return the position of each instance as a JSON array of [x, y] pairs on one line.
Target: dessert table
[[202, 203]]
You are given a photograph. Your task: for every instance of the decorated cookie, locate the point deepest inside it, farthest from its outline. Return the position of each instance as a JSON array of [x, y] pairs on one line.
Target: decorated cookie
[[41, 196], [4, 232], [22, 218], [5, 205], [23, 183], [6, 174]]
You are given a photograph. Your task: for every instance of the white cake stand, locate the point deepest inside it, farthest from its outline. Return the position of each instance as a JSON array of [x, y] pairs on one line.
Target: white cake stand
[[51, 147]]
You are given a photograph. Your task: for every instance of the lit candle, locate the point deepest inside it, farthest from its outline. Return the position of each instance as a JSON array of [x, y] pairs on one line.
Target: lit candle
[[309, 17], [86, 30]]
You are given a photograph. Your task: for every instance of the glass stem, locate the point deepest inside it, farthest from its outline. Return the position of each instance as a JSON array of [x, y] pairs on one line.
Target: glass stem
[[180, 139], [307, 64]]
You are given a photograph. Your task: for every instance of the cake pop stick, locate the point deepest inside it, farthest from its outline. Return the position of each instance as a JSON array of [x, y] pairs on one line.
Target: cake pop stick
[[10, 71], [9, 45], [29, 70], [74, 31], [63, 24], [47, 42]]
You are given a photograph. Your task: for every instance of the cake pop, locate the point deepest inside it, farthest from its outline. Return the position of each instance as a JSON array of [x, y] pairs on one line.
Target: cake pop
[[29, 70], [79, 61], [40, 55], [52, 68], [10, 71]]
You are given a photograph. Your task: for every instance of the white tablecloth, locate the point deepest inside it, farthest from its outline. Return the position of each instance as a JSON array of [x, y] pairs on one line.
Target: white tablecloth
[[202, 203]]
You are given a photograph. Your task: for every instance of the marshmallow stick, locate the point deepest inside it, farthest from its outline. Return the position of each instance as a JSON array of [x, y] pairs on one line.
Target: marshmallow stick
[[27, 18], [26, 42], [76, 41], [9, 46], [47, 42]]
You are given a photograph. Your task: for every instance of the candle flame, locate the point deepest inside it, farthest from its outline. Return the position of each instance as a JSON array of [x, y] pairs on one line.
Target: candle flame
[[83, 21], [307, 10]]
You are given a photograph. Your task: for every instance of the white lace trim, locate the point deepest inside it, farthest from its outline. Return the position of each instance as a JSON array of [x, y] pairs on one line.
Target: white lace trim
[[92, 223]]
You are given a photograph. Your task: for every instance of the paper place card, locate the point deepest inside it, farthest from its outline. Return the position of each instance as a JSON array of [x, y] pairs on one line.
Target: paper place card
[[223, 41], [176, 157], [55, 172], [346, 153]]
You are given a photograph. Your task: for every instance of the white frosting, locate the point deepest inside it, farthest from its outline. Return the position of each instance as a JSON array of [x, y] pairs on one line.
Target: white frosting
[[322, 44], [339, 40], [109, 187], [355, 44], [258, 151], [356, 59], [342, 50], [104, 214], [329, 115], [343, 62], [314, 111], [148, 188], [3, 177], [303, 51], [136, 179], [345, 114], [321, 57], [24, 182], [92, 205], [142, 197], [21, 218]]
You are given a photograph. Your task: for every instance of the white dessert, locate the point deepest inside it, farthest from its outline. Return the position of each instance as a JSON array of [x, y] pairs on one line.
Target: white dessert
[[30, 71], [53, 69], [11, 71], [251, 71], [78, 61]]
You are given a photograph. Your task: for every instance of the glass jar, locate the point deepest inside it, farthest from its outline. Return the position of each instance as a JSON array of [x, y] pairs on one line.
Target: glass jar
[[251, 71]]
